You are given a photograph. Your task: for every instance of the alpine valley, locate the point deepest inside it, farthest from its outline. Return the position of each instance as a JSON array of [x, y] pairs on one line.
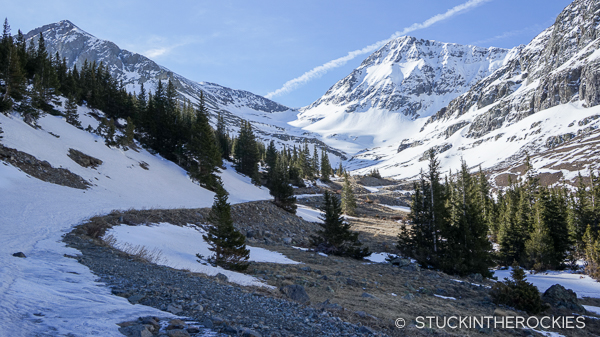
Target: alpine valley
[[489, 106], [119, 179]]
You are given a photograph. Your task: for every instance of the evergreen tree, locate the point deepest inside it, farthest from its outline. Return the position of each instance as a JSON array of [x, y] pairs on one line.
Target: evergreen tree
[[518, 293], [109, 137], [227, 243], [280, 188], [580, 216], [540, 246], [335, 237], [340, 171], [429, 215], [71, 114], [129, 133], [203, 149], [348, 199], [246, 152], [515, 226], [315, 161], [223, 138], [467, 248], [592, 253], [325, 166], [271, 161]]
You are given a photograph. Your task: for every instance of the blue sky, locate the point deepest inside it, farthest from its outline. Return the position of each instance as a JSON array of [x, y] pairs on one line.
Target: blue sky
[[260, 45]]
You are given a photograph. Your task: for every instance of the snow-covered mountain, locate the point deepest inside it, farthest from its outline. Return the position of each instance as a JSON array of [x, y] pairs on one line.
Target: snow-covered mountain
[[269, 118], [406, 79], [541, 99]]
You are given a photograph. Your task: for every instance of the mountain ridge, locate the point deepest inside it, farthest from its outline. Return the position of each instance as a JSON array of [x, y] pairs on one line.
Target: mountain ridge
[[269, 118]]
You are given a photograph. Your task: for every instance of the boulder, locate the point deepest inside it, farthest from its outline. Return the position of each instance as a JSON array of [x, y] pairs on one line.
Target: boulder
[[296, 293], [19, 254], [221, 277], [398, 261], [135, 331], [560, 297]]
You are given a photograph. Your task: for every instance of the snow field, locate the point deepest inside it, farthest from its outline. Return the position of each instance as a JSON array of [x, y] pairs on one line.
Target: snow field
[[34, 215], [178, 247]]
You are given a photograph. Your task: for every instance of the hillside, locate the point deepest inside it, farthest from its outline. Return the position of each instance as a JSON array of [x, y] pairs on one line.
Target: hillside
[[35, 214], [269, 119]]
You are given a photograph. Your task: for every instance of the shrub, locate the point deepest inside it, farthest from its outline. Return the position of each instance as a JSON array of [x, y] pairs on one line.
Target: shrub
[[518, 293]]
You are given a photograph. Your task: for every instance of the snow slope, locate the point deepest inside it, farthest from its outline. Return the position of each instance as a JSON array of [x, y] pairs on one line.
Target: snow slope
[[380, 102], [582, 285], [35, 214], [179, 246], [544, 96]]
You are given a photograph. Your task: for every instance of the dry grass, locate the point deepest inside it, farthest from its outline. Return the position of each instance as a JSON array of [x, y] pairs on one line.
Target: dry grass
[[138, 251]]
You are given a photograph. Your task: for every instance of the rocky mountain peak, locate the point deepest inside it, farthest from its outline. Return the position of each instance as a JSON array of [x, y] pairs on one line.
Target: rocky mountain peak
[[411, 76]]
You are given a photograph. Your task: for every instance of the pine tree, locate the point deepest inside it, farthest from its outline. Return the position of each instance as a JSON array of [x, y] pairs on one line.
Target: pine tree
[[515, 226], [518, 293], [348, 199], [315, 161], [227, 243], [109, 137], [271, 160], [540, 246], [246, 152], [325, 166], [129, 132], [71, 114], [223, 138], [592, 252], [204, 152], [280, 188], [335, 237], [467, 249], [580, 216]]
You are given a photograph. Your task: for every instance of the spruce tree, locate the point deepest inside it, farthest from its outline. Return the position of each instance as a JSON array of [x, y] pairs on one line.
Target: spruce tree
[[129, 132], [227, 243], [592, 253], [335, 237], [205, 154], [271, 161], [71, 114], [223, 138], [348, 199], [246, 152], [325, 166], [580, 216], [467, 247], [280, 188], [518, 293], [515, 226], [540, 246]]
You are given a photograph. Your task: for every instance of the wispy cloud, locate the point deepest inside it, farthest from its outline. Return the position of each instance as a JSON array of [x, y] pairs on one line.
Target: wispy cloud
[[530, 29], [322, 69], [157, 46]]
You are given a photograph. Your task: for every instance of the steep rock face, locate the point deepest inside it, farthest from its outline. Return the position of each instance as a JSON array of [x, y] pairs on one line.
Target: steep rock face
[[412, 76], [542, 102], [559, 66]]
